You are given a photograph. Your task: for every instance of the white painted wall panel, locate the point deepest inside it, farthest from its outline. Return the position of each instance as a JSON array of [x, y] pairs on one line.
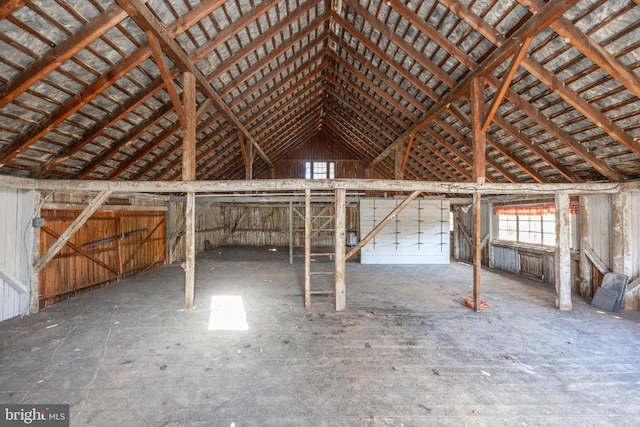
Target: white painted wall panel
[[16, 208], [600, 226], [418, 235]]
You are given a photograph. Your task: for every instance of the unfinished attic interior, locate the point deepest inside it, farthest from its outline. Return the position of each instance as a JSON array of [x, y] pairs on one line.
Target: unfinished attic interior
[[420, 212]]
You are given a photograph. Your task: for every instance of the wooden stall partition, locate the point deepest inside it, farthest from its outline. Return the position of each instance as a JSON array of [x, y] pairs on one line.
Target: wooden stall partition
[[109, 246]]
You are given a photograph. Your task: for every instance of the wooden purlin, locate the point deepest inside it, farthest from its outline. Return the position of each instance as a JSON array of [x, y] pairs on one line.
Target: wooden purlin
[[145, 19], [551, 11]]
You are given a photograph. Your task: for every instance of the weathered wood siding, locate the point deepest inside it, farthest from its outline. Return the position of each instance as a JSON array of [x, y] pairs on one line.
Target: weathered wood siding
[[319, 148], [463, 223], [71, 273], [532, 262], [230, 224], [16, 208]]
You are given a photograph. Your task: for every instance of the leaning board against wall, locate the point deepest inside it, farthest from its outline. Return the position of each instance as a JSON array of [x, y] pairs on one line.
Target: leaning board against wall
[[419, 234]]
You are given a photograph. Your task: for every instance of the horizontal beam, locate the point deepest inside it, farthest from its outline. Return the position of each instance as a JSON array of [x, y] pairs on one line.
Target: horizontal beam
[[103, 208], [227, 186]]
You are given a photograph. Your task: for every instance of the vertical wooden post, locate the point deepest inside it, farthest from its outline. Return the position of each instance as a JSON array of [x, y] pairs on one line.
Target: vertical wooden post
[[563, 253], [477, 250], [249, 165], [190, 250], [307, 249], [479, 176], [479, 137], [585, 264], [290, 232], [34, 297], [621, 241], [189, 134], [493, 229], [399, 157], [456, 232], [340, 243], [189, 174], [272, 173]]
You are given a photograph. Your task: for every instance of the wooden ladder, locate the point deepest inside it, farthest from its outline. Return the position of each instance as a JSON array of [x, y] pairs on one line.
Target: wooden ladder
[[338, 272]]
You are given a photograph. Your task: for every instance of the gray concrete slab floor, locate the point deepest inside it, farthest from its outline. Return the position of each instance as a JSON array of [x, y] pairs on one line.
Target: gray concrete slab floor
[[405, 353]]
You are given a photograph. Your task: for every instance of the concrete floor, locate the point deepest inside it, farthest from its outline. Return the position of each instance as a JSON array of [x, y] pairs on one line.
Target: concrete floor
[[406, 352]]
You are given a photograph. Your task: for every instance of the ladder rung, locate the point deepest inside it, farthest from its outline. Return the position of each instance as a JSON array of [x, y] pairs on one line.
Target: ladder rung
[[323, 254], [313, 273], [322, 292], [323, 216]]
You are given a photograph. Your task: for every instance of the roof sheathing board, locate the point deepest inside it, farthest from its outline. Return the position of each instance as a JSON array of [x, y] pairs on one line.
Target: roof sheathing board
[[378, 92]]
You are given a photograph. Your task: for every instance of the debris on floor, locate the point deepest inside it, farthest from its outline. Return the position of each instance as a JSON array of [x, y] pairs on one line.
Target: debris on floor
[[469, 302]]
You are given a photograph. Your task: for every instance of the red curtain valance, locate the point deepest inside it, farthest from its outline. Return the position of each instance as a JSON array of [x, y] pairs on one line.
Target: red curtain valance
[[532, 209]]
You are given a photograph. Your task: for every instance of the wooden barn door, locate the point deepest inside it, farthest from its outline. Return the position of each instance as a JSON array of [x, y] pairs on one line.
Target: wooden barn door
[[108, 247]]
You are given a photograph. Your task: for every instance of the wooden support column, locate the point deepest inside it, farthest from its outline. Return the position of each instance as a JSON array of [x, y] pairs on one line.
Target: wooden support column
[[307, 249], [621, 233], [563, 253], [34, 300], [479, 137], [341, 243], [456, 233], [190, 249], [75, 226], [247, 156], [189, 174], [477, 250], [479, 175], [585, 264], [189, 134], [399, 157], [290, 232], [249, 165]]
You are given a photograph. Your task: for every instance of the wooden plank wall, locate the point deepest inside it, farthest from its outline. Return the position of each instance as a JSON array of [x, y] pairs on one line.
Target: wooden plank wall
[[16, 208], [230, 224], [71, 273], [319, 148], [465, 219]]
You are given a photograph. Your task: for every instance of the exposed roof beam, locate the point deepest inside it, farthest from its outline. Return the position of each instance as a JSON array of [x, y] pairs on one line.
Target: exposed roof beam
[[7, 7], [94, 89], [501, 148], [591, 49], [145, 19], [550, 12], [544, 75], [72, 105], [167, 77], [60, 53], [505, 83], [268, 35], [411, 51]]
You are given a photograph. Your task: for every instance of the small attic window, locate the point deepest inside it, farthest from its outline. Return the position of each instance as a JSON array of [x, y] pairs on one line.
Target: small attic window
[[319, 170]]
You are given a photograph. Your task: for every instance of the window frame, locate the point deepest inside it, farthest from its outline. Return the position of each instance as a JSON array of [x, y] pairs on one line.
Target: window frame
[[324, 168]]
